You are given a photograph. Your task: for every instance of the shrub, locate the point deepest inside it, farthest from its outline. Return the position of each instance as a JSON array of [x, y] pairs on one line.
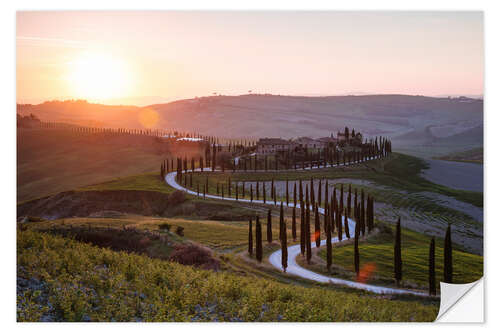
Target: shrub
[[180, 231], [194, 255], [164, 226]]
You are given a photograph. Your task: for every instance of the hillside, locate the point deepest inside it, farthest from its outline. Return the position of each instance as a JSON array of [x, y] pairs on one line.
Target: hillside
[[52, 161], [410, 120], [130, 287]]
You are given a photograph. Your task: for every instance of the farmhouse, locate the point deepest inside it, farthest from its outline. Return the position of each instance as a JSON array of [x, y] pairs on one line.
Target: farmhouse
[[328, 141], [308, 143], [273, 145]]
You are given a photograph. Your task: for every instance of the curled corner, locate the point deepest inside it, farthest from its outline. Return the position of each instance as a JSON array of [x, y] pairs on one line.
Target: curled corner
[[461, 302]]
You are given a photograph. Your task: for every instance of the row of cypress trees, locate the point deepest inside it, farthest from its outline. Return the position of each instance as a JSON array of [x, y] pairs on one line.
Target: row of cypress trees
[[306, 246]]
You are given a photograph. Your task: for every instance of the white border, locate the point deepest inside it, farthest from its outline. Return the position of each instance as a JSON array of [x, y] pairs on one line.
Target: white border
[[8, 197]]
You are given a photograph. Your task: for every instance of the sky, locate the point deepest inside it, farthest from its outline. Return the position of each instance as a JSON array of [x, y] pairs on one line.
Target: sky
[[141, 58]]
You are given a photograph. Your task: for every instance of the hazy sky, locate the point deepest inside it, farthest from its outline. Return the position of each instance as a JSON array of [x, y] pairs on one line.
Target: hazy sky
[[124, 56]]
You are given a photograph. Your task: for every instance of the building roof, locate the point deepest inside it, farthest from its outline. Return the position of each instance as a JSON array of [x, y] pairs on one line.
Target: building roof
[[272, 141], [327, 139], [305, 139]]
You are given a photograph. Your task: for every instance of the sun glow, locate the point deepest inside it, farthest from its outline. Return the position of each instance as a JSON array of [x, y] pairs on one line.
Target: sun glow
[[99, 76]]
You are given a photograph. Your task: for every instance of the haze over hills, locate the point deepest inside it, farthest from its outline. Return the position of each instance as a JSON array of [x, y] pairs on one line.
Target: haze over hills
[[423, 126]]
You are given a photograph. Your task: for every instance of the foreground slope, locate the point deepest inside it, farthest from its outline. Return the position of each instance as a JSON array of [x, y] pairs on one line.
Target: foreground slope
[[64, 280]]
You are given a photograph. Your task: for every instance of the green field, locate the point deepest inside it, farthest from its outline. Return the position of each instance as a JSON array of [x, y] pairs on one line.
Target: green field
[[398, 171], [53, 161], [129, 287], [475, 155], [142, 182], [379, 250], [215, 234]]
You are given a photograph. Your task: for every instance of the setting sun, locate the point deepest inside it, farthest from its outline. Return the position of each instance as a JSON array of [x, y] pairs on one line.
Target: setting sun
[[99, 76]]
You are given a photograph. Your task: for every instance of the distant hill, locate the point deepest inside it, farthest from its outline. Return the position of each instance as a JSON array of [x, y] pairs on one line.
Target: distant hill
[[409, 120]]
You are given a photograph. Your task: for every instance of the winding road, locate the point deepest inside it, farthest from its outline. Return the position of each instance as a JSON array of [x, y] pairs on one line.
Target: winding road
[[294, 250]]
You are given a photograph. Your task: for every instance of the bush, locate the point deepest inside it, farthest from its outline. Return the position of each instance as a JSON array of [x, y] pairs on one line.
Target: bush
[[194, 255], [180, 231], [164, 226]]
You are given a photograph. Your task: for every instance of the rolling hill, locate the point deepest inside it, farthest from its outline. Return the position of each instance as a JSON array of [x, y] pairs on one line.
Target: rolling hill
[[410, 121]]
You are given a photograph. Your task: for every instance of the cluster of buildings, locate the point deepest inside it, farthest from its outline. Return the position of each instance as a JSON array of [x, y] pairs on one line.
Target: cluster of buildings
[[276, 145]]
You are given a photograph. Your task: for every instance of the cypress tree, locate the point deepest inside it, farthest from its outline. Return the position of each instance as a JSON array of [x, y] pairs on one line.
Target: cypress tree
[[308, 234], [312, 192], [398, 263], [326, 193], [317, 227], [274, 194], [287, 196], [346, 225], [349, 199], [294, 194], [258, 240], [264, 191], [319, 193], [362, 213], [301, 193], [251, 192], [281, 218], [355, 198], [356, 249], [325, 216], [250, 238], [341, 199], [302, 230], [269, 227], [432, 269], [448, 263], [257, 190], [328, 246], [272, 189], [294, 224], [284, 249], [332, 215], [338, 221]]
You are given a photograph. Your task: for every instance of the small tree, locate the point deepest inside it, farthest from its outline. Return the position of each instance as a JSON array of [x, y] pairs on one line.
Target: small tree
[[448, 264], [258, 240], [356, 249], [328, 246], [250, 238], [398, 263], [317, 227], [302, 229], [284, 249], [287, 195], [294, 194], [264, 191], [346, 225], [432, 269], [294, 224], [349, 199], [269, 227], [308, 234]]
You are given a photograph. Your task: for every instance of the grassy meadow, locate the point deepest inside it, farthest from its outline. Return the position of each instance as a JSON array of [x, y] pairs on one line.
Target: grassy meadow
[[377, 251]]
